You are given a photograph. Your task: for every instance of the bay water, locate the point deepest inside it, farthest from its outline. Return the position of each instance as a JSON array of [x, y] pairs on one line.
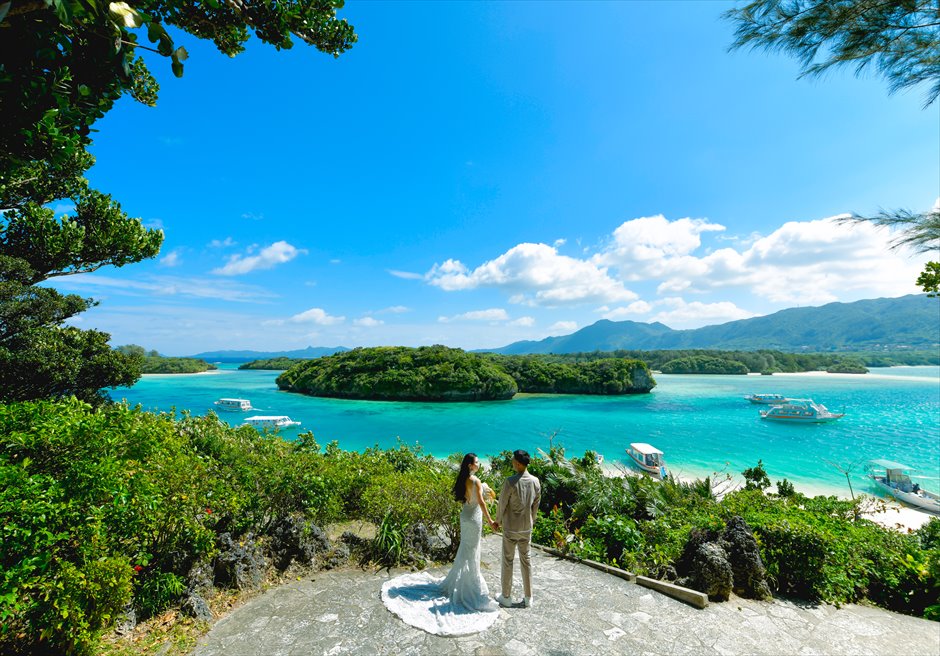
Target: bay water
[[702, 423]]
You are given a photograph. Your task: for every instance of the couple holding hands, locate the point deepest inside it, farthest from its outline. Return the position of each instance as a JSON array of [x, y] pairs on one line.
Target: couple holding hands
[[460, 603]]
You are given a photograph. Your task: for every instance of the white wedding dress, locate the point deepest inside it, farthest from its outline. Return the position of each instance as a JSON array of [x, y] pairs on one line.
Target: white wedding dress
[[457, 604]]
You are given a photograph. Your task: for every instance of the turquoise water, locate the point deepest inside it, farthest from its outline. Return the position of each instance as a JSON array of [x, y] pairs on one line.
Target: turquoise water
[[702, 423]]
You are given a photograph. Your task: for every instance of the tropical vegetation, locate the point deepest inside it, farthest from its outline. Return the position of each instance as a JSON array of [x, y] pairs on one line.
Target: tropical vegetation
[[63, 65], [704, 364], [276, 364], [538, 374], [151, 362], [428, 373], [112, 508], [439, 373]]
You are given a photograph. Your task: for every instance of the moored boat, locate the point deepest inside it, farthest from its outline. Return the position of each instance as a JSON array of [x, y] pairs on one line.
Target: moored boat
[[767, 399], [894, 479], [273, 421], [233, 404], [798, 411], [648, 458]]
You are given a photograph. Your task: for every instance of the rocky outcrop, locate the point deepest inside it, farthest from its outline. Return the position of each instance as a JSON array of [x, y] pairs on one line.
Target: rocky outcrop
[[707, 567], [744, 555], [719, 563], [195, 606], [239, 564], [294, 539]]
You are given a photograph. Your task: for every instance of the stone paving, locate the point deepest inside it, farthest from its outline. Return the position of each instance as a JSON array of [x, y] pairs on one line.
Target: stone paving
[[577, 611]]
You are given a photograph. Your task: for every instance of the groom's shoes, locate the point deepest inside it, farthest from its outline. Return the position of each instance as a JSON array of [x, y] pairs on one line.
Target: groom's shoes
[[527, 602], [503, 601]]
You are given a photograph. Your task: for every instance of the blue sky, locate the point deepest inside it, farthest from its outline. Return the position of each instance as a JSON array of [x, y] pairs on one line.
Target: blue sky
[[477, 173]]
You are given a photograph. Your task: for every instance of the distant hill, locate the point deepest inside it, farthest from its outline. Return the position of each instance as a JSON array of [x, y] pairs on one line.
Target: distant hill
[[244, 356], [907, 322]]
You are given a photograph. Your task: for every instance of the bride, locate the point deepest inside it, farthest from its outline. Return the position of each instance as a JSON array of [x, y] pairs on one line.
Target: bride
[[459, 603]]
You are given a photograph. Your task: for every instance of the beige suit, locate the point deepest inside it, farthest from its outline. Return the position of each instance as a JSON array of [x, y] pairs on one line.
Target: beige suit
[[518, 506]]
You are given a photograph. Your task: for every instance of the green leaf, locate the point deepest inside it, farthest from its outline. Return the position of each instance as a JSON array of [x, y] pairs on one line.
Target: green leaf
[[155, 32], [180, 54], [84, 90], [4, 8], [177, 69], [165, 47]]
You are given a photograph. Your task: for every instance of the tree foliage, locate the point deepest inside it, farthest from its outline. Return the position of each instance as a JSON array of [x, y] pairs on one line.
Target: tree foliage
[[899, 38], [428, 373], [704, 364], [929, 279], [63, 65], [543, 374]]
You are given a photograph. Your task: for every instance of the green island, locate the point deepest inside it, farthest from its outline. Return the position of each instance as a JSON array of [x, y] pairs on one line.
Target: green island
[[693, 361], [274, 364], [439, 373], [151, 362], [715, 361], [109, 508]]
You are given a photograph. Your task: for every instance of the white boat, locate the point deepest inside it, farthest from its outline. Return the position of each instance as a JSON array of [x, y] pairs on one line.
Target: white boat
[[233, 404], [894, 479], [273, 421], [798, 411], [767, 399], [648, 458]]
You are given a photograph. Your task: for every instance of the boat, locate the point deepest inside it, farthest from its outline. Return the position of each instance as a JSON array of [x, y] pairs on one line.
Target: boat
[[894, 479], [233, 404], [648, 458], [767, 399], [805, 411], [272, 421]]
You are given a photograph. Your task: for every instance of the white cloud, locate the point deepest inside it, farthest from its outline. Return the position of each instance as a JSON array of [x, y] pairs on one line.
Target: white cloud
[[642, 248], [222, 243], [368, 322], [522, 321], [558, 243], [171, 259], [634, 309], [277, 253], [800, 262], [317, 316], [564, 326], [204, 288], [394, 309], [492, 314], [407, 275], [681, 314], [252, 216], [537, 275], [336, 261]]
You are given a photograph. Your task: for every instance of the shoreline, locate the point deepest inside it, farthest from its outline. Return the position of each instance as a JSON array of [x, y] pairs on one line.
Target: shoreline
[[887, 512], [187, 373]]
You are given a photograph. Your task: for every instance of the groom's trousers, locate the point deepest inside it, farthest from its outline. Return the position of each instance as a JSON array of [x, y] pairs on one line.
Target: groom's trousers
[[510, 544]]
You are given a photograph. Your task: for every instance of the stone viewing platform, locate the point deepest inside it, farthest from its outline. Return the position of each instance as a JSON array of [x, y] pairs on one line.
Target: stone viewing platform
[[578, 611]]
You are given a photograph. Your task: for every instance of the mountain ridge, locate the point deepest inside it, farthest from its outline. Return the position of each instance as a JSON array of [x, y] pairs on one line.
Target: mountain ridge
[[911, 321]]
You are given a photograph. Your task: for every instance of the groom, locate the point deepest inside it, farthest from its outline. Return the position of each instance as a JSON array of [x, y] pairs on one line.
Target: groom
[[518, 506]]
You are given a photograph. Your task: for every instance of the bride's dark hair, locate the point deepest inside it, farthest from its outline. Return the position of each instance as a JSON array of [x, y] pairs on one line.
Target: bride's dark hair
[[460, 485]]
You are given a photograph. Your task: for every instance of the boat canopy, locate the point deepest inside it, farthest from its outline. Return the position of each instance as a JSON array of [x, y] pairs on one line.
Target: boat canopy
[[645, 449], [888, 464]]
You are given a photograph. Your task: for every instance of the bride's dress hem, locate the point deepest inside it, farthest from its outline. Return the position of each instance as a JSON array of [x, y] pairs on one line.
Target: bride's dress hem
[[459, 603]]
